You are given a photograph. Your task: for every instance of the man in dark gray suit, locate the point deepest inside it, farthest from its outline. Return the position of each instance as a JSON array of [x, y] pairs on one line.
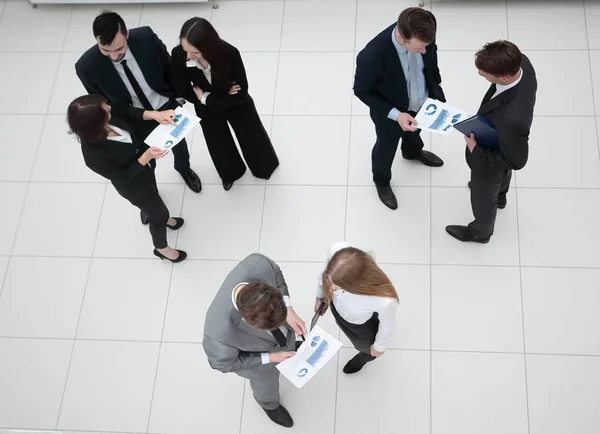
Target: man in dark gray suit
[[508, 105], [250, 327]]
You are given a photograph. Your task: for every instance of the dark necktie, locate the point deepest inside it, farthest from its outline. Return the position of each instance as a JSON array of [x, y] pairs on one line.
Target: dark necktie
[[279, 337], [136, 87], [490, 93]]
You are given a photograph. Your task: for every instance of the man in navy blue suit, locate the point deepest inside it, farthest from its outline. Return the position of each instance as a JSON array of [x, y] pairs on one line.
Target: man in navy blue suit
[[395, 73]]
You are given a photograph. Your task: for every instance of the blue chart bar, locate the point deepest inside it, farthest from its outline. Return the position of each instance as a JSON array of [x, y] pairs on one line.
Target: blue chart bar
[[438, 124], [178, 130], [318, 354]]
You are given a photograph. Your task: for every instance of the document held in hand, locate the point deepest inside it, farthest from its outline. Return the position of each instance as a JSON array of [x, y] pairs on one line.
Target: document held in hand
[[438, 117], [484, 130], [312, 355], [165, 136]]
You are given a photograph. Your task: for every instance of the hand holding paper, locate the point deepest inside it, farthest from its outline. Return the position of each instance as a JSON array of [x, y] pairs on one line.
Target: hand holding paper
[[172, 130], [438, 117]]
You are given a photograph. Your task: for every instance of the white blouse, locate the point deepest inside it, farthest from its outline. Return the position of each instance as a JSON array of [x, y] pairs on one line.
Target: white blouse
[[207, 74], [123, 136], [358, 309]]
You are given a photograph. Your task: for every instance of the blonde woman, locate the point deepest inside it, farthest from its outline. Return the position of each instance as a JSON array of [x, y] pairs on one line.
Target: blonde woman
[[363, 302]]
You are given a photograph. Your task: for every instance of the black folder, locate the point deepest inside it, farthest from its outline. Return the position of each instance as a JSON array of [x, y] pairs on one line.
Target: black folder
[[484, 130]]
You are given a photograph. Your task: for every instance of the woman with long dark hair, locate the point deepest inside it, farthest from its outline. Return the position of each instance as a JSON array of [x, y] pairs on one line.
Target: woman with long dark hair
[[210, 73], [363, 302], [111, 149]]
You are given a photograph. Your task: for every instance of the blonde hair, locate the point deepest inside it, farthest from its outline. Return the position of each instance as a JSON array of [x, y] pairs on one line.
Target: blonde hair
[[355, 271]]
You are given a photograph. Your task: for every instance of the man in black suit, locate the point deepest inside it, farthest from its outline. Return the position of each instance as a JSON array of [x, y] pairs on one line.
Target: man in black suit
[[508, 105], [395, 73], [132, 69]]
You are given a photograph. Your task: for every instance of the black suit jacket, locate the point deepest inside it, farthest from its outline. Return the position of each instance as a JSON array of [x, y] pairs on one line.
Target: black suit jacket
[[99, 76], [117, 161], [184, 77], [511, 112], [379, 81]]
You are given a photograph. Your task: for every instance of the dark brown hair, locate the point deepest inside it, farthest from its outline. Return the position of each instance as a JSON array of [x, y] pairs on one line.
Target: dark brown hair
[[416, 23], [261, 306], [499, 58], [356, 271], [202, 35], [87, 118]]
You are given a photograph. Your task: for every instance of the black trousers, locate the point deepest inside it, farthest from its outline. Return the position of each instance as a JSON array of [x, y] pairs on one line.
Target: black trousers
[[485, 194], [145, 196], [181, 153], [362, 336], [389, 134], [251, 134]]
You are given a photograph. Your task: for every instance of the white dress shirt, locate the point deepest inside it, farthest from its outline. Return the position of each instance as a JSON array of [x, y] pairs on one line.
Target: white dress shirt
[[264, 357], [207, 74], [504, 87], [156, 99], [358, 309], [123, 136]]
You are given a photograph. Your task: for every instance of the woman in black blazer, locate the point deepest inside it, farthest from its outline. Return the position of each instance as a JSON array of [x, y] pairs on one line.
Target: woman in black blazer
[[209, 73], [111, 149]]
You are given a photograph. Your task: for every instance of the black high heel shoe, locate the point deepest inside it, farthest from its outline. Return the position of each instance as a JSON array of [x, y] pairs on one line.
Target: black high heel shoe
[[181, 257], [179, 223]]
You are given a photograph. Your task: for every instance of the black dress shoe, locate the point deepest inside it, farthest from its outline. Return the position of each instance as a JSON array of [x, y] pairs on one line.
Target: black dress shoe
[[181, 257], [501, 200], [427, 158], [462, 233], [227, 185], [280, 416], [387, 196], [179, 223], [145, 218], [192, 180], [355, 364]]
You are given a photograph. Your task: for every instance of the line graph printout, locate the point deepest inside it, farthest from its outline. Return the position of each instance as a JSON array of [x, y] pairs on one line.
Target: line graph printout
[[438, 117], [312, 355]]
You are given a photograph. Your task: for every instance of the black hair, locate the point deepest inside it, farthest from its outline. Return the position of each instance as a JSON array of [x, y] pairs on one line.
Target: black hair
[[107, 25]]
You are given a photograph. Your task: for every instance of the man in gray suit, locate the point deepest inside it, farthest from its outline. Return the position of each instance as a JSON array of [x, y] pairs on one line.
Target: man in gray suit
[[250, 327]]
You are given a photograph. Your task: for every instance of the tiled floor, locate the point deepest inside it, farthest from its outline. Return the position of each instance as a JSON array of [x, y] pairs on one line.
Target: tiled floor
[[97, 336]]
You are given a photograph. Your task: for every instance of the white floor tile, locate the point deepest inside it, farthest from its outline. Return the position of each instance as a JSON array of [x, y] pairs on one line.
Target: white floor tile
[[46, 28], [125, 299], [575, 98], [479, 313], [42, 297], [189, 396], [393, 390], [109, 387], [304, 89], [452, 206], [67, 86], [17, 161], [32, 379], [193, 287], [560, 310], [121, 233], [261, 70], [325, 138], [549, 166], [59, 157], [469, 25], [80, 35], [261, 33], [404, 172], [595, 65], [3, 266], [531, 24], [451, 148], [13, 197], [222, 224], [322, 16], [592, 18], [400, 236], [300, 223], [24, 68], [473, 393], [559, 227], [563, 394]]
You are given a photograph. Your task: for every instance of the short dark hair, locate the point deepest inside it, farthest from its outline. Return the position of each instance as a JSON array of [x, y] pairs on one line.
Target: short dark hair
[[107, 25], [416, 23], [87, 118], [261, 306], [499, 58]]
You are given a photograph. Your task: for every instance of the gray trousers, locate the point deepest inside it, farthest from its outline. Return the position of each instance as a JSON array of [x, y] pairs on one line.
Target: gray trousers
[[485, 194], [264, 382]]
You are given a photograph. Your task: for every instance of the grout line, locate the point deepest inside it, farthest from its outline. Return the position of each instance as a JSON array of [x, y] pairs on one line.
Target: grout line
[[592, 78]]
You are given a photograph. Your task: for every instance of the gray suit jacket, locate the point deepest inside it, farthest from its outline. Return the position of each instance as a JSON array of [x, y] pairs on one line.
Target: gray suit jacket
[[229, 342]]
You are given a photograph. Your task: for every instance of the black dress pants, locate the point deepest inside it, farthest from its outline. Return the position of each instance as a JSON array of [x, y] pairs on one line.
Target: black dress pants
[[389, 134], [145, 196], [362, 336], [253, 139], [485, 194]]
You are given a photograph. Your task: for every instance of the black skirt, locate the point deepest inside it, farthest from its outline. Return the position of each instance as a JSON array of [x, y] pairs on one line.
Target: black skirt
[[363, 335]]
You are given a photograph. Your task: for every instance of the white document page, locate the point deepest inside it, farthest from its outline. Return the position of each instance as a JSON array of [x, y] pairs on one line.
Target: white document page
[[438, 117], [165, 136]]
